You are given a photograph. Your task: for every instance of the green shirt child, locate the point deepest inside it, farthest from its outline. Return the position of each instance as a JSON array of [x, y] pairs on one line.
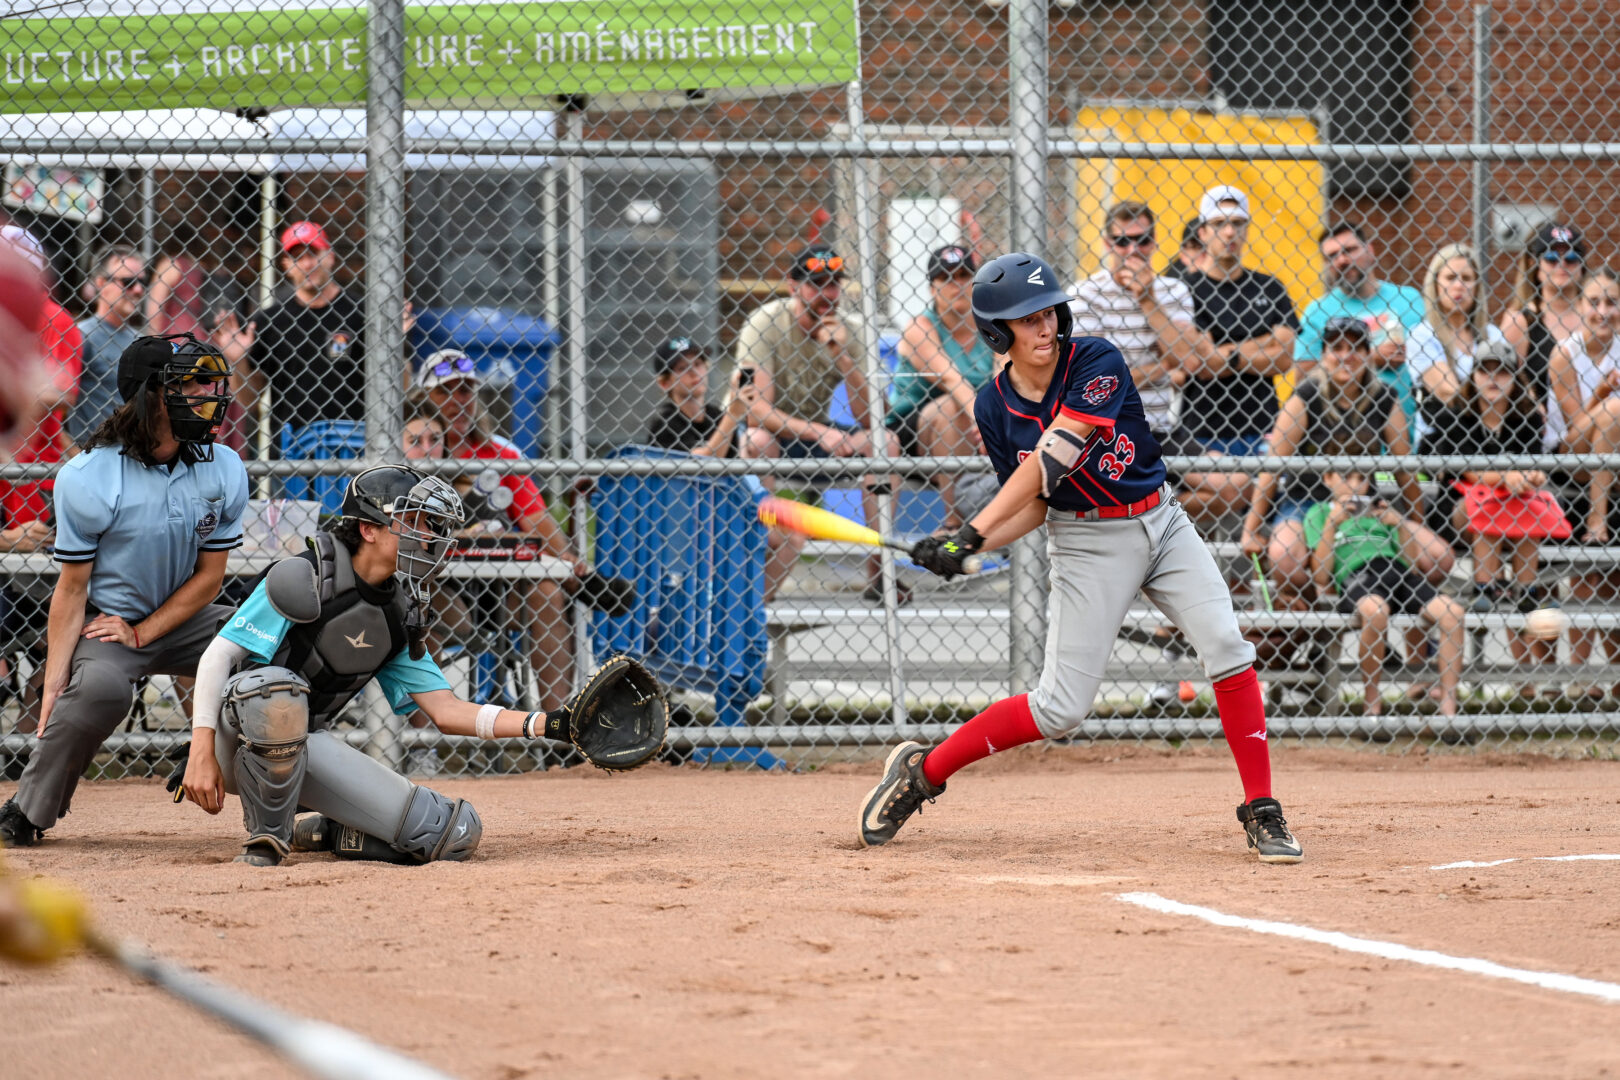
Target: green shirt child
[[1358, 541]]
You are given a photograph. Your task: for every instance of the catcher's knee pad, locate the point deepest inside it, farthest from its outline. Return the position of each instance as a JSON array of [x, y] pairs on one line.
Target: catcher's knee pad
[[438, 828], [269, 710]]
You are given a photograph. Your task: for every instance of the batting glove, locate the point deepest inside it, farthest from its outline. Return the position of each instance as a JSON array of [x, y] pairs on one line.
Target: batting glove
[[946, 556]]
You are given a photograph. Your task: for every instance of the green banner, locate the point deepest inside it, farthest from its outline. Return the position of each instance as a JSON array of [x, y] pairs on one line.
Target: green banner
[[481, 56]]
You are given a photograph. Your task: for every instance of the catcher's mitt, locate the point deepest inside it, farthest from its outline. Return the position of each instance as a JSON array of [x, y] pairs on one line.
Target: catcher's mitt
[[618, 719]]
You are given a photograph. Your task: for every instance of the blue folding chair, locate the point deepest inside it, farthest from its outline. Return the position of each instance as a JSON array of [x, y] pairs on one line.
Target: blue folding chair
[[696, 551]]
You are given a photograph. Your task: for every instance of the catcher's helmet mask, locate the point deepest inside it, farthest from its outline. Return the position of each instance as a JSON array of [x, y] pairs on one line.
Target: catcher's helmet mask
[[424, 512], [1014, 285]]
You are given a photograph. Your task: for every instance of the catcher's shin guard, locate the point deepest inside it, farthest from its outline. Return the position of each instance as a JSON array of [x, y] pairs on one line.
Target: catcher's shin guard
[[375, 813], [269, 709], [435, 829]]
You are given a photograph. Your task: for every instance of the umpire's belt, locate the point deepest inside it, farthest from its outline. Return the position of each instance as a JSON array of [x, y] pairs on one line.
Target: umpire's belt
[[1129, 510]]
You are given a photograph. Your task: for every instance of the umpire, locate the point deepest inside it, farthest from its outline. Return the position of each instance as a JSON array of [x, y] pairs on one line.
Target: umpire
[[144, 519]]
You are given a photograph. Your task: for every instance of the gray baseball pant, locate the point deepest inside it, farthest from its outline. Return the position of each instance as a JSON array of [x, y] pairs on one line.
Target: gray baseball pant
[[100, 689], [1097, 569]]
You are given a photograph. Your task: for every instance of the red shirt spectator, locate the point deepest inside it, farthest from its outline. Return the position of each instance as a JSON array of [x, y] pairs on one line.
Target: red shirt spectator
[[60, 345]]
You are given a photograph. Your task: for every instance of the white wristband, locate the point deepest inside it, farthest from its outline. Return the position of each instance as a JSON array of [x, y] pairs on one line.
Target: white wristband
[[484, 723]]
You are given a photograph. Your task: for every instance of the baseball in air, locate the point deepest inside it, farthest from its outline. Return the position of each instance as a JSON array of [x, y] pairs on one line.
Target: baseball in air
[[643, 212], [1545, 623]]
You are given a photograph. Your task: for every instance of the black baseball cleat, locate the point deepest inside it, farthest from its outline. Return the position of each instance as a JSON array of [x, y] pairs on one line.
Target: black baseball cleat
[[1268, 833], [897, 796], [314, 832], [15, 828], [261, 851]]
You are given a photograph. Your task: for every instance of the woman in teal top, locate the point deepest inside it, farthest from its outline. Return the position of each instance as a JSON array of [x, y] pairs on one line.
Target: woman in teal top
[[943, 363]]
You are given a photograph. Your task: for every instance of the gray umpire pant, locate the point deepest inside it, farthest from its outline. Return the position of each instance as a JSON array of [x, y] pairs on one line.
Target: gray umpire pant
[[100, 689], [1097, 569]]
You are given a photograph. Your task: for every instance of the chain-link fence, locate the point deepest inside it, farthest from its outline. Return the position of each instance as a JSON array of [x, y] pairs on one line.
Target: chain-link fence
[[623, 272]]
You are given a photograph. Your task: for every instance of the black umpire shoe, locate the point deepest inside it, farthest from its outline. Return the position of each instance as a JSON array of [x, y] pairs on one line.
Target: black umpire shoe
[[897, 796], [1268, 833], [15, 828]]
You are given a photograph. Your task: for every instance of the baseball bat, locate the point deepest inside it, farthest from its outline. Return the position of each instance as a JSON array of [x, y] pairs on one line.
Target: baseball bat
[[42, 922], [321, 1049], [818, 524]]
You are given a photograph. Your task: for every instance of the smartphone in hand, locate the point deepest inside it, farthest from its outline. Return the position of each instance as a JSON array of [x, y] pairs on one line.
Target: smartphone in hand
[[745, 377]]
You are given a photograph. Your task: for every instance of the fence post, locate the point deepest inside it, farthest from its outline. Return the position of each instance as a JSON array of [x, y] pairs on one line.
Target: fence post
[[876, 379], [385, 284], [1026, 114], [385, 226], [1482, 134]]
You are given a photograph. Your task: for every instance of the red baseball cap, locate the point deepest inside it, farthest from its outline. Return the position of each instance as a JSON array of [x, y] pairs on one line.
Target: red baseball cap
[[305, 234]]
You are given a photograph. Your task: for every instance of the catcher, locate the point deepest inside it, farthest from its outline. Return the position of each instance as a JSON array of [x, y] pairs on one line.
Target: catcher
[[314, 631]]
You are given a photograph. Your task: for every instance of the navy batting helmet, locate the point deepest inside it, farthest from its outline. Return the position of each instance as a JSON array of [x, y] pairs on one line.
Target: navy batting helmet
[[1012, 286]]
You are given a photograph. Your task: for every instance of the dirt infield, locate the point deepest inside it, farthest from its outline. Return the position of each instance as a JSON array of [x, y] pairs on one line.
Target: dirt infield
[[686, 924]]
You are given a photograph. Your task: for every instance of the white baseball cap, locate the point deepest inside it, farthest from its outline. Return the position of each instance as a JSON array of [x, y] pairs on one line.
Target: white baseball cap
[[1210, 208], [447, 366], [27, 243]]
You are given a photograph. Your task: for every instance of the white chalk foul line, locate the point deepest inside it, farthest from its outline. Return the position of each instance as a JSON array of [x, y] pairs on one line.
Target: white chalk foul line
[[1538, 858], [1388, 950]]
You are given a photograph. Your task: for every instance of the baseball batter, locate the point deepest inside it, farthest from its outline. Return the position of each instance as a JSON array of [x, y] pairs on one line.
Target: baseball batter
[[1065, 430]]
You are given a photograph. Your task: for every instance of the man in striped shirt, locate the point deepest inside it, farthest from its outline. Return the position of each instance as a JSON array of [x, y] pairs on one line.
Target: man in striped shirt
[[1149, 318]]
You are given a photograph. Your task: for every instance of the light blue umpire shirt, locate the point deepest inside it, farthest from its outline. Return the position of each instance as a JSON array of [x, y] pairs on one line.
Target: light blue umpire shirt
[[143, 526]]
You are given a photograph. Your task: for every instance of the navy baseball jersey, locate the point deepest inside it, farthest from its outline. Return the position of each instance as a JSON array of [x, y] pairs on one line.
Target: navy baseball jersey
[[1120, 464]]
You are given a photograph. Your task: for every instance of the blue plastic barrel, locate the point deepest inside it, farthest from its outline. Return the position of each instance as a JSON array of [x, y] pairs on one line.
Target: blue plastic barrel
[[322, 440], [696, 551]]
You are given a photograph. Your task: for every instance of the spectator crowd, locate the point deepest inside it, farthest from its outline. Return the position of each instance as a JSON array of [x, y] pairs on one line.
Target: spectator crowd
[[1225, 366]]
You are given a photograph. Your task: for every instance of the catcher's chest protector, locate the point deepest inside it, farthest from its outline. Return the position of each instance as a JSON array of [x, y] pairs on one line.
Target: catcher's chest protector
[[360, 628]]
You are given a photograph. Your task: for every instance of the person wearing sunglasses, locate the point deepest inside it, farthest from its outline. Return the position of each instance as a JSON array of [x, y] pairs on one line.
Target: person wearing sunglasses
[[118, 291], [800, 347], [943, 364], [1149, 318], [1546, 294]]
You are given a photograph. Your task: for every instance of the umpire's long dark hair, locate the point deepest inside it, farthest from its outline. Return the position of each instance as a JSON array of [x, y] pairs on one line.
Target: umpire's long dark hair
[[130, 428]]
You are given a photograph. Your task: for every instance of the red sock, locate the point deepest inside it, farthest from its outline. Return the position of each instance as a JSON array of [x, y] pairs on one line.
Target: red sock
[[1243, 719], [1005, 724]]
